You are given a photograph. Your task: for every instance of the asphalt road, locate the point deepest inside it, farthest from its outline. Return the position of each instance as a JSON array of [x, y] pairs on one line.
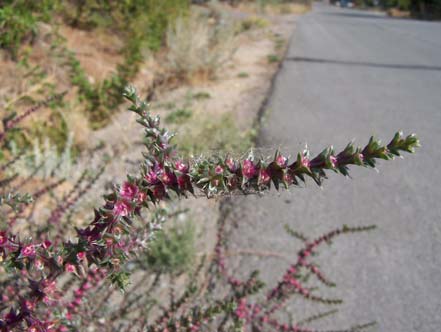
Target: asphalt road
[[350, 74]]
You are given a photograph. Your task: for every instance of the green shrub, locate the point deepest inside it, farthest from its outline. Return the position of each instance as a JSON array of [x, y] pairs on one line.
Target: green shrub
[[18, 21], [173, 251], [218, 133], [179, 116]]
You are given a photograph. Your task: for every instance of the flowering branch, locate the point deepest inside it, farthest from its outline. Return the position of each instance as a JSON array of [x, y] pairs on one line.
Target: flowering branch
[[108, 241]]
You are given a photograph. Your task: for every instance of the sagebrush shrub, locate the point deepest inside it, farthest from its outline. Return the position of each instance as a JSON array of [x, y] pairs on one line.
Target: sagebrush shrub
[[51, 282], [198, 47]]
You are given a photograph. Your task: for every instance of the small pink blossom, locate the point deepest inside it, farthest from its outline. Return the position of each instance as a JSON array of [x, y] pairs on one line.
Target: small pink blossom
[[168, 178], [232, 165], [87, 286], [159, 191], [59, 260], [281, 161], [46, 244], [141, 197], [232, 183], [249, 169], [181, 166], [122, 208], [242, 309], [28, 251], [128, 190], [49, 286], [219, 170], [264, 176], [29, 305], [305, 162], [81, 255], [70, 268], [39, 265], [3, 238], [151, 177], [287, 177], [333, 161], [183, 182]]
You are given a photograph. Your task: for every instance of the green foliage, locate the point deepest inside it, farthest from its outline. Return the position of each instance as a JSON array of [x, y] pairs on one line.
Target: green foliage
[[15, 200], [18, 21], [220, 134], [179, 116], [272, 58], [253, 22], [201, 95], [173, 251], [141, 23], [155, 17], [143, 19]]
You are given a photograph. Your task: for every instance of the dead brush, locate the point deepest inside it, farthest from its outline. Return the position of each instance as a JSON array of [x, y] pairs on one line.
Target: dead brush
[[198, 47]]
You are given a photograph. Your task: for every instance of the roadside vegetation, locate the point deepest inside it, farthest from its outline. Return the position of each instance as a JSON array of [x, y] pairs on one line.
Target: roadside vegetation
[[64, 257], [420, 9]]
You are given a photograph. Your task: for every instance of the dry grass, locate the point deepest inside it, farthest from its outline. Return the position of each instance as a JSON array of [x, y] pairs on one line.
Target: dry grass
[[275, 8], [395, 12], [198, 47]]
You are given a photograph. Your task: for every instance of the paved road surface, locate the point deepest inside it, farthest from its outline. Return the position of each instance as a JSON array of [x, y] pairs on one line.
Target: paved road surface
[[350, 74]]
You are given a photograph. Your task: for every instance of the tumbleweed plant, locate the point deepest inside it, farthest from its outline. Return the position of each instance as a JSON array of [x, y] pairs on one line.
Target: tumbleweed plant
[[61, 279]]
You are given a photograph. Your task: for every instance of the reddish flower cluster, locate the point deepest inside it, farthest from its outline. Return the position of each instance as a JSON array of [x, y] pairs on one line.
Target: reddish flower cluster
[[107, 241]]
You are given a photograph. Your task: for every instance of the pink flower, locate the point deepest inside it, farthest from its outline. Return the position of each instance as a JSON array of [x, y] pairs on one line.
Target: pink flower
[[122, 208], [68, 315], [288, 178], [28, 251], [151, 177], [305, 162], [232, 165], [281, 161], [128, 190], [29, 305], [242, 309], [49, 286], [81, 255], [59, 260], [46, 244], [181, 166], [264, 176], [168, 178], [3, 238], [248, 169], [333, 161], [87, 286], [70, 268], [141, 197], [183, 182], [219, 170], [232, 182], [39, 265], [159, 191]]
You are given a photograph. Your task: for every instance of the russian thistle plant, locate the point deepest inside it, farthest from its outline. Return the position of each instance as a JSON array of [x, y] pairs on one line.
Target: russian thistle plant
[[50, 283]]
